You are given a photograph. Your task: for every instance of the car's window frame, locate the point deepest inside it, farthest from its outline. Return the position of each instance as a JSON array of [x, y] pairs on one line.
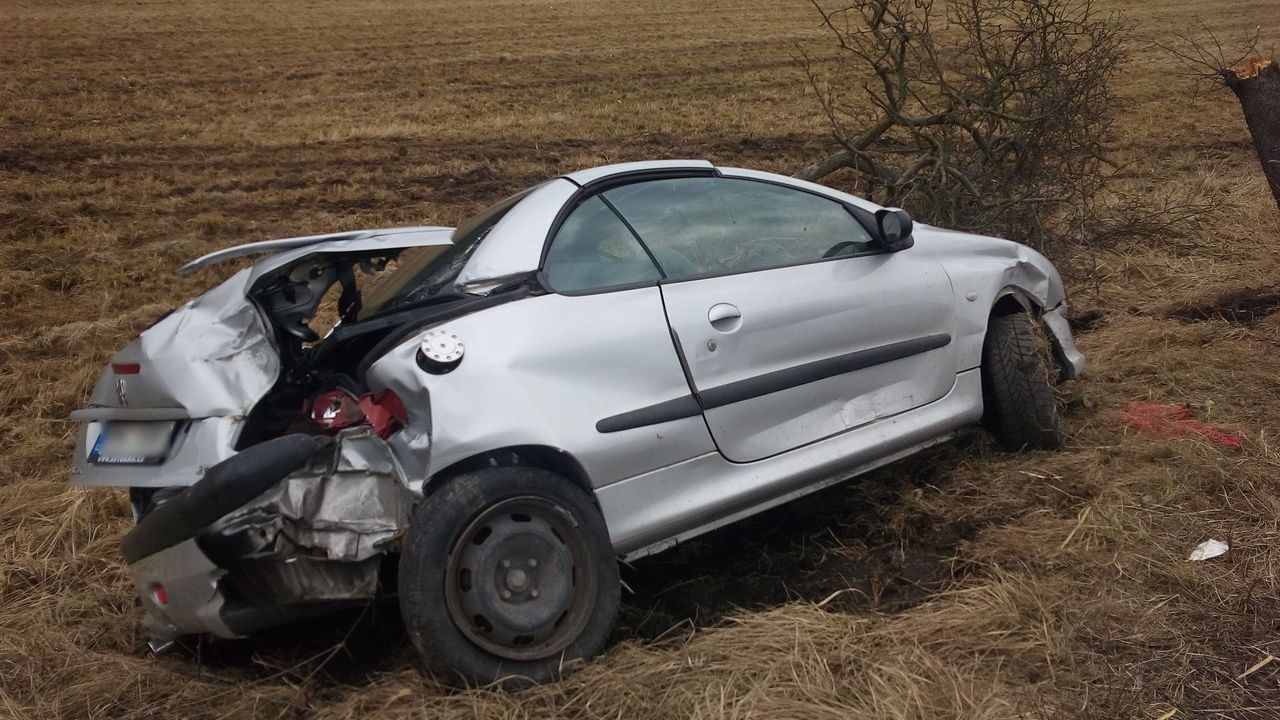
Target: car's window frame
[[563, 217], [865, 219]]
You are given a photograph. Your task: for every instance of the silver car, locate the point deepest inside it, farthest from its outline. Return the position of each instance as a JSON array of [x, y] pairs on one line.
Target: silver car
[[598, 367]]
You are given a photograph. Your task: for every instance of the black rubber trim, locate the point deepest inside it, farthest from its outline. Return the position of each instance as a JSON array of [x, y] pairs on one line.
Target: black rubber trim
[[776, 381], [637, 176], [678, 409], [224, 488]]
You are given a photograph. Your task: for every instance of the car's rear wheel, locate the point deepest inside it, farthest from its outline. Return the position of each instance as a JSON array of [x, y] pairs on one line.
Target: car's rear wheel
[[1020, 409], [508, 575]]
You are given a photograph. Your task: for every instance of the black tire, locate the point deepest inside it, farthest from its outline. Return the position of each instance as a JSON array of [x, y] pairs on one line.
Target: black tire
[[1019, 406], [508, 575]]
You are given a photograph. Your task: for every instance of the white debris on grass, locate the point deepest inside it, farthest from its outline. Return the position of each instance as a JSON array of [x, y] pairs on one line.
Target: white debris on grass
[[1210, 548]]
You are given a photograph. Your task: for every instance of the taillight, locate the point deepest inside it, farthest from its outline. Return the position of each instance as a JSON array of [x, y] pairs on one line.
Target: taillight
[[126, 368], [159, 595], [335, 410], [339, 409]]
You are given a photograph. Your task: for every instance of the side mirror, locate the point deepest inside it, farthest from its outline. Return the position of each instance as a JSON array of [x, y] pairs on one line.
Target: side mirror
[[895, 229]]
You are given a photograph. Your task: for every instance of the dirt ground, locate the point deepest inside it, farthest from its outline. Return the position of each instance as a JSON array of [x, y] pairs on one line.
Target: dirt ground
[[963, 583]]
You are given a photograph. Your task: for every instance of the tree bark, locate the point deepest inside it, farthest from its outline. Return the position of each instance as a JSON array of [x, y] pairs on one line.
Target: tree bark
[[826, 166], [841, 159], [1256, 83]]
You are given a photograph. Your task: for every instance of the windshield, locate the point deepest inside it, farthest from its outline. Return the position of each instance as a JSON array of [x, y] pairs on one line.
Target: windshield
[[422, 273]]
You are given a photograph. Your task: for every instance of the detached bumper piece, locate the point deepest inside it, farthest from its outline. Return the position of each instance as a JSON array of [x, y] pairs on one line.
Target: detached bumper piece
[[283, 530], [1070, 360]]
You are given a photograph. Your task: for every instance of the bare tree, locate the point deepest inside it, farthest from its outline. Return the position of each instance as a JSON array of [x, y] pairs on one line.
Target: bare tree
[[988, 115], [1255, 80]]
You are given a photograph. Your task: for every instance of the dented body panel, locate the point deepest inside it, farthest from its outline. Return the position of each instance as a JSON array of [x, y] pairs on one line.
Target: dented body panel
[[212, 357], [617, 366], [675, 420], [985, 269]]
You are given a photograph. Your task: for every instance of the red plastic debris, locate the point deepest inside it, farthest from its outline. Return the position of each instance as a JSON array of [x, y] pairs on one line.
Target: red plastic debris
[[384, 412], [338, 409], [1168, 420]]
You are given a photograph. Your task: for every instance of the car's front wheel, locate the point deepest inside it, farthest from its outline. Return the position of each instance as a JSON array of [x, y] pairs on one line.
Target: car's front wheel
[[1020, 409], [507, 575]]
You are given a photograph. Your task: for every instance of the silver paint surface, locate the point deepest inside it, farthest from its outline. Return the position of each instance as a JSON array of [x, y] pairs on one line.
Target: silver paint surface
[[526, 380], [212, 357], [807, 313]]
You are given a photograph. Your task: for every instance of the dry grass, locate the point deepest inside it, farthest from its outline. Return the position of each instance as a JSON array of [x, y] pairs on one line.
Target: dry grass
[[966, 583]]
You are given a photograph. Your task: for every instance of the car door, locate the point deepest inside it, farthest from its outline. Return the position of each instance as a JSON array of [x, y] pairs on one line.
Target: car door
[[792, 323]]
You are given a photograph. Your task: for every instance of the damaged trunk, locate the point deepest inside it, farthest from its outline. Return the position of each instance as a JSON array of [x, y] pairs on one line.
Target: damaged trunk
[[1256, 82]]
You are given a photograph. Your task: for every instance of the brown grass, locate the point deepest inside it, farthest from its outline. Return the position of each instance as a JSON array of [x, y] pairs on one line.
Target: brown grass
[[966, 583]]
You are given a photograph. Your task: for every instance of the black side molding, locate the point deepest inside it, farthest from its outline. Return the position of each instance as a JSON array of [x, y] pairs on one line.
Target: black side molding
[[224, 488], [680, 408], [779, 380], [776, 381]]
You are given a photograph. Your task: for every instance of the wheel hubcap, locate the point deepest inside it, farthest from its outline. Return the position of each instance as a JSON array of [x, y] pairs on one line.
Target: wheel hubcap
[[519, 583]]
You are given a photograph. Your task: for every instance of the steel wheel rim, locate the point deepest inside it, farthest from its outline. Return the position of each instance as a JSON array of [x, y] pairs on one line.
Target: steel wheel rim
[[520, 582]]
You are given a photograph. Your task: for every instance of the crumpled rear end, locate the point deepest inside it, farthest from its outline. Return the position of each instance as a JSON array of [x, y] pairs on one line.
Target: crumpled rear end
[[315, 538]]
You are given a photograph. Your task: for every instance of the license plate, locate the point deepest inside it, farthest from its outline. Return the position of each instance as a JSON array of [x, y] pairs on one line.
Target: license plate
[[131, 443]]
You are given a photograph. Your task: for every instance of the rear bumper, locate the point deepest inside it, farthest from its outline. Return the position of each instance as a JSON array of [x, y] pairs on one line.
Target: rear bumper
[[180, 595], [279, 532], [184, 592]]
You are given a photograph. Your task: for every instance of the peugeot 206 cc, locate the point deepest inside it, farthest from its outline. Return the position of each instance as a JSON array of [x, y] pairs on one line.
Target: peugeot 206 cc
[[597, 367]]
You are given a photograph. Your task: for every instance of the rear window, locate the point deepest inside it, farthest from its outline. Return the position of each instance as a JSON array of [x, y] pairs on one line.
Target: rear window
[[422, 273]]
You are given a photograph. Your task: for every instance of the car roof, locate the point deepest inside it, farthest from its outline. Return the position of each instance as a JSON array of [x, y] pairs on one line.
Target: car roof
[[510, 249]]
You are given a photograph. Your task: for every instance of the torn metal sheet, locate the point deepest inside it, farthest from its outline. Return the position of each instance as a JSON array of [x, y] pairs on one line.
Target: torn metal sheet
[[300, 580], [348, 506]]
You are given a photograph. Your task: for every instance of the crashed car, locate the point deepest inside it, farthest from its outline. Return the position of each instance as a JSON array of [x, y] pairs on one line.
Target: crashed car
[[598, 367]]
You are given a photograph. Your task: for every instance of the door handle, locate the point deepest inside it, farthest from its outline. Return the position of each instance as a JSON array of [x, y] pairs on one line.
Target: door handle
[[724, 317]]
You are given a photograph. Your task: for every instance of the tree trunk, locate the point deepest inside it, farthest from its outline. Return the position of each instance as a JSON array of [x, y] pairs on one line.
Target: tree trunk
[[1256, 83]]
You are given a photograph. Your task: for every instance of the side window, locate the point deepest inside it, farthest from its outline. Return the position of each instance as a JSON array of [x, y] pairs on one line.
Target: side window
[[594, 250], [721, 225]]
